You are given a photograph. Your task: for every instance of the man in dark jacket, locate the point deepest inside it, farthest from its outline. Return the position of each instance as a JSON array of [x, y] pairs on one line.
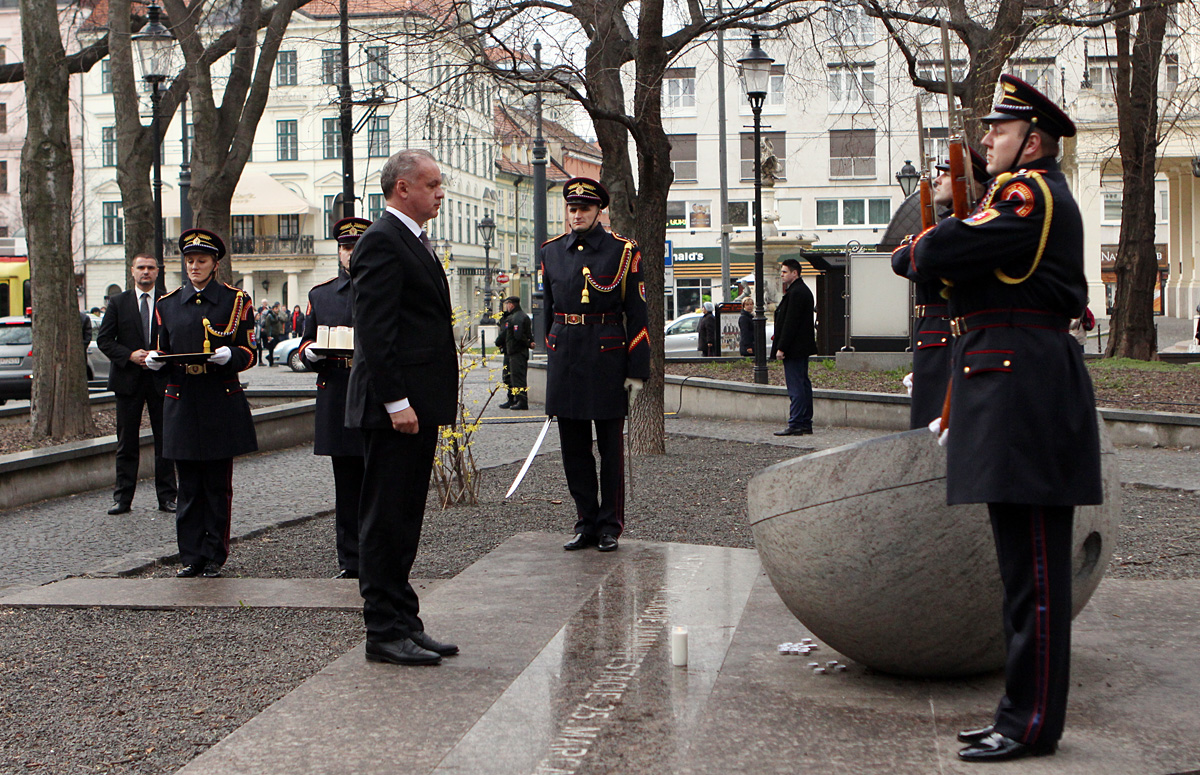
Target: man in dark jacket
[[516, 337], [273, 330], [795, 339], [706, 332]]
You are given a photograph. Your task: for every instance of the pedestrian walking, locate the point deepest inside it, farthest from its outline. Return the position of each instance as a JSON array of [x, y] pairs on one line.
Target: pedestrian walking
[[127, 334], [206, 420], [329, 304], [598, 357], [794, 341], [1022, 434]]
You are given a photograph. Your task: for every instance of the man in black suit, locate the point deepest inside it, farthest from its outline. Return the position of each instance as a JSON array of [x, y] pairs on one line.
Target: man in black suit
[[127, 333], [403, 385], [795, 340]]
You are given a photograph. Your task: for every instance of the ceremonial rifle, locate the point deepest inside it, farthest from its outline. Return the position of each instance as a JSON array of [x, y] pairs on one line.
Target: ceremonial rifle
[[962, 172], [925, 185]]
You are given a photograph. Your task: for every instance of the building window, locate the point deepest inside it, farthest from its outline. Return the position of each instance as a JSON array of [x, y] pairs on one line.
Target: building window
[[739, 213], [854, 212], [683, 157], [289, 226], [113, 222], [1042, 74], [1101, 74], [377, 64], [677, 215], [108, 146], [287, 140], [849, 25], [1112, 206], [375, 206], [286, 70], [932, 70], [331, 138], [3, 177], [105, 76], [774, 89], [852, 153], [937, 144], [330, 208], [879, 211], [778, 143], [689, 214], [378, 137], [3, 116], [241, 226], [679, 89], [1170, 78], [331, 62], [851, 87]]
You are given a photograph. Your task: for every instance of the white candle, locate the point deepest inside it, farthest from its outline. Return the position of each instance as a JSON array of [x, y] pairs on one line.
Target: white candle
[[340, 337], [349, 337], [322, 337], [679, 647]]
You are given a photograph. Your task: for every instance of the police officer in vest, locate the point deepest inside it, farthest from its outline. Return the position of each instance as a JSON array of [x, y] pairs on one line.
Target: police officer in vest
[[329, 305], [1023, 433], [206, 420], [598, 355]]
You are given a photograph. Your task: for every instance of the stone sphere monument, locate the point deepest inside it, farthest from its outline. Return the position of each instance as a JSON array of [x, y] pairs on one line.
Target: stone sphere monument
[[861, 546]]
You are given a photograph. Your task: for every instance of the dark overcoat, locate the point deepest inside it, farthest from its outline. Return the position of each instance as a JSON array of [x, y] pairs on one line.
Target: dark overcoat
[[795, 332], [587, 364], [205, 415], [931, 342], [1023, 425], [329, 305]]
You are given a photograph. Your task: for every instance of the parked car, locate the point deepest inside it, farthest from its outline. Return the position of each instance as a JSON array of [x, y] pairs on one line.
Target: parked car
[[682, 337], [98, 363], [16, 357], [288, 351]]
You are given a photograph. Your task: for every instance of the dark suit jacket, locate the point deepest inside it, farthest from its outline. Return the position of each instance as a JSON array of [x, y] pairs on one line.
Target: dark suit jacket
[[403, 335], [795, 333], [120, 334]]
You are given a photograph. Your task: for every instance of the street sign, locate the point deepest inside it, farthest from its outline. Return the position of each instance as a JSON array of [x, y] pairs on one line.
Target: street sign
[[502, 278]]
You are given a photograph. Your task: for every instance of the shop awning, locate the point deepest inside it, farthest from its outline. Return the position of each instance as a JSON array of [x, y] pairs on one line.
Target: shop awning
[[257, 193]]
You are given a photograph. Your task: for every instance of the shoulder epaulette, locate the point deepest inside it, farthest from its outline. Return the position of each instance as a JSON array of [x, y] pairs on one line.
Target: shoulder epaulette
[[624, 238], [325, 282], [552, 239], [170, 293]]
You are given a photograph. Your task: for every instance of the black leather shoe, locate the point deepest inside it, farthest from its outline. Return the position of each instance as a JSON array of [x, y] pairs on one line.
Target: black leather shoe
[[998, 748], [506, 405], [423, 640], [119, 508], [401, 652], [607, 544], [346, 574], [522, 406], [167, 506], [970, 736], [580, 541], [212, 570], [788, 431], [190, 571]]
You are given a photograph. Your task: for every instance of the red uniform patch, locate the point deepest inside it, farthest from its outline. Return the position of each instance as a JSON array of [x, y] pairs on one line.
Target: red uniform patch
[[1021, 193]]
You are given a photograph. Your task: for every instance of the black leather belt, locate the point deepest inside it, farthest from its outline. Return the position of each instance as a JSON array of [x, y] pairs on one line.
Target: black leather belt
[[597, 319], [342, 363], [931, 310], [1009, 318]]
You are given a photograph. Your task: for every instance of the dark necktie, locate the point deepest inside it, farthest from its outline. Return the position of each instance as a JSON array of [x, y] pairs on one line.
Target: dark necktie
[[146, 317], [428, 245]]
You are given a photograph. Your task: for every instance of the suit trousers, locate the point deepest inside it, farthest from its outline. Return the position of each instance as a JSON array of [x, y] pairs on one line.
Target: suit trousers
[[799, 388], [129, 447], [1034, 547], [347, 488], [600, 511], [205, 509], [395, 485]]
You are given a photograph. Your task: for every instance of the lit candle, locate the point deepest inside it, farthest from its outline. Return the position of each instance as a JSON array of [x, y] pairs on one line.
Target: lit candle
[[679, 647]]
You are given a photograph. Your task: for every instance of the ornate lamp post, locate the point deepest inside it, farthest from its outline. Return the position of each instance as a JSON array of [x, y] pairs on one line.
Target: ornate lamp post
[[154, 46], [754, 69], [487, 230], [907, 177]]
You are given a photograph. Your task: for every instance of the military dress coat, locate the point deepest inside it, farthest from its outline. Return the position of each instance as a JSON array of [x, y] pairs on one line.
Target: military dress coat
[[329, 304], [205, 415], [587, 363], [1023, 424]]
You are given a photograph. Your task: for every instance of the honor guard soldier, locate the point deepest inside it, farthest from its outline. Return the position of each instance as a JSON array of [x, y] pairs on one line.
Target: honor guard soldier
[[931, 316], [207, 325], [598, 355], [1022, 433], [329, 305]]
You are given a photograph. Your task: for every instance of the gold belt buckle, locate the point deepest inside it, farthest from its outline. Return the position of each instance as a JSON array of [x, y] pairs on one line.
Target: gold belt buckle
[[574, 320], [919, 310], [196, 368], [958, 326]]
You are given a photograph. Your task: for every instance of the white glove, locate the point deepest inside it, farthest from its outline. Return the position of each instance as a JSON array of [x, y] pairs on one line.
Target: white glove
[[935, 428], [633, 386], [907, 382], [312, 356], [221, 356], [152, 361]]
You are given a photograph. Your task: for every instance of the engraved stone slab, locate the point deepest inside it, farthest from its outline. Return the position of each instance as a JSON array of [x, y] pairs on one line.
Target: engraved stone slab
[[861, 546]]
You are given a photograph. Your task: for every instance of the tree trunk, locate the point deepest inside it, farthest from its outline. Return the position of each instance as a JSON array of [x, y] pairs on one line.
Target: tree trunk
[[1133, 333], [58, 406]]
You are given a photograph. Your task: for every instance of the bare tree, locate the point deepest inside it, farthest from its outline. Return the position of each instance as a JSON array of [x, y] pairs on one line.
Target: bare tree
[[58, 407]]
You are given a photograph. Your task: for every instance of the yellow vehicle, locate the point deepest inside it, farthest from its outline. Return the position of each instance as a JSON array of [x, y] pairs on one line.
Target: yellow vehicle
[[15, 296]]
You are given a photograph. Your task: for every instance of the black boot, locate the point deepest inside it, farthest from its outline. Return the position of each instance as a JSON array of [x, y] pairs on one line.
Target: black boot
[[520, 403], [510, 402]]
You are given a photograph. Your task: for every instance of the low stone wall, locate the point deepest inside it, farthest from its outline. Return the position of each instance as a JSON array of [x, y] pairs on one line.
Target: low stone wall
[[66, 469], [722, 400]]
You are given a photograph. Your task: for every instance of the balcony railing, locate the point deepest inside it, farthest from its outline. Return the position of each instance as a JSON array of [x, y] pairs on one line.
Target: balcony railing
[[265, 245]]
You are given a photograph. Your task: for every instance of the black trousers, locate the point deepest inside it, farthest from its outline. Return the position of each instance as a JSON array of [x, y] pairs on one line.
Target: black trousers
[[347, 488], [518, 372], [394, 488], [601, 511], [1034, 546], [129, 425], [205, 510]]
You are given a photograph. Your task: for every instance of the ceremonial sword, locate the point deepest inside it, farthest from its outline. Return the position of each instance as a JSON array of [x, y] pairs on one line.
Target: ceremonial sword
[[529, 460]]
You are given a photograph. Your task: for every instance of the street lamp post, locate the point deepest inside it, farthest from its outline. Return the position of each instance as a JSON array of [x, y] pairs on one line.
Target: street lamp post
[[907, 177], [487, 230], [754, 70], [154, 44]]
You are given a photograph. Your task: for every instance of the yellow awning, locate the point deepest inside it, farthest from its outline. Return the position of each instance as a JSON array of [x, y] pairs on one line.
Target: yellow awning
[[257, 193]]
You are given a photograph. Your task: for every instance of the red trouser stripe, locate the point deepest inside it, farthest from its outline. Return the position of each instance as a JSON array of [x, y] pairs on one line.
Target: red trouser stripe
[[1042, 625]]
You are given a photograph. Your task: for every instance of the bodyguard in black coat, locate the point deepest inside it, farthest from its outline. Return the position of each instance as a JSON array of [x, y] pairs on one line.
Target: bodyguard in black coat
[[598, 357], [1023, 431], [329, 304], [206, 419], [404, 384], [794, 341], [127, 335], [516, 338]]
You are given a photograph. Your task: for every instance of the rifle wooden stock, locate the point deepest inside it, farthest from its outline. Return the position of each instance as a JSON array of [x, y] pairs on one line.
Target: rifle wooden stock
[[928, 217], [958, 177]]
